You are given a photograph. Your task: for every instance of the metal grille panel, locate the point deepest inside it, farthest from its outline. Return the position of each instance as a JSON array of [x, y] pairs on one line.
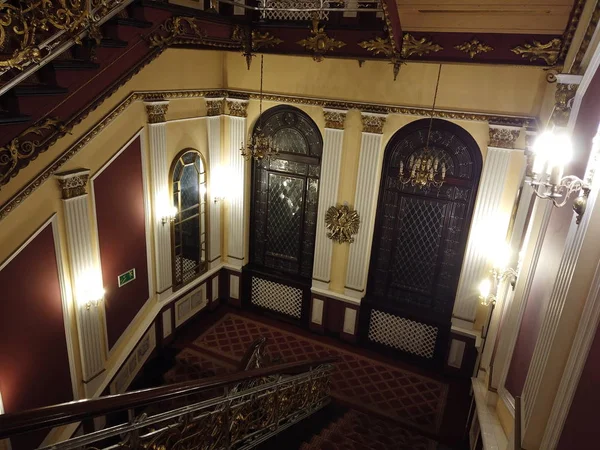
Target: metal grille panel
[[282, 6], [277, 297], [284, 222], [403, 334]]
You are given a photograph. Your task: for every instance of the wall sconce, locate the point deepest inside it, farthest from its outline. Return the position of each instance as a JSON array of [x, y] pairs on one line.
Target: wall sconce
[[552, 152], [488, 288], [170, 216], [222, 183], [90, 291]]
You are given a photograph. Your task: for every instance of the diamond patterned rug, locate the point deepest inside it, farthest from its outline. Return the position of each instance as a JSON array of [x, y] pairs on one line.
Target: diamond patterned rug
[[368, 384], [358, 431]]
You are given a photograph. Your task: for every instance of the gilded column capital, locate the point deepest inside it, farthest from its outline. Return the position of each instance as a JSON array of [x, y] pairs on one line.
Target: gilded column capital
[[215, 106], [73, 183], [566, 88], [334, 118], [237, 107], [373, 122], [504, 136], [156, 111]]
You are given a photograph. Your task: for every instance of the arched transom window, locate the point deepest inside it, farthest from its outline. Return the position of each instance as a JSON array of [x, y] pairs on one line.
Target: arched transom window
[[188, 229]]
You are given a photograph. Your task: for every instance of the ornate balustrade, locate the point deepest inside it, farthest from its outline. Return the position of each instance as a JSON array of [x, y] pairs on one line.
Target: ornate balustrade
[[236, 411], [33, 33]]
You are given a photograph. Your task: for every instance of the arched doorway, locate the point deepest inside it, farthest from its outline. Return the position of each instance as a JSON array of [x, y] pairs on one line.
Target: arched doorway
[[419, 240], [283, 216]]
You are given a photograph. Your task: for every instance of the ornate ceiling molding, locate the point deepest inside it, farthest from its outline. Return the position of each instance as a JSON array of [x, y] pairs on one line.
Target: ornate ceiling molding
[[319, 42], [587, 39], [73, 184], [537, 50], [473, 47], [173, 29], [567, 37]]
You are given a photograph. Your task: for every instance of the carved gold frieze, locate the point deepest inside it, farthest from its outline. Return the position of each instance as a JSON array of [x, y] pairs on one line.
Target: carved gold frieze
[[473, 47], [538, 50], [503, 137], [343, 223], [373, 123], [26, 147], [174, 29], [237, 108], [334, 119], [157, 111], [585, 43], [564, 95], [413, 46], [378, 46], [319, 42], [73, 184], [215, 106]]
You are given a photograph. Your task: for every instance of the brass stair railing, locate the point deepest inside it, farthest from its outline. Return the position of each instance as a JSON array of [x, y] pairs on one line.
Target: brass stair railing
[[235, 411], [33, 33]]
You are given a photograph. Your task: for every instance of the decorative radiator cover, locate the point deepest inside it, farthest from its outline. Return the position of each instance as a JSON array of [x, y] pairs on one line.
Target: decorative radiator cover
[[276, 297], [403, 334]]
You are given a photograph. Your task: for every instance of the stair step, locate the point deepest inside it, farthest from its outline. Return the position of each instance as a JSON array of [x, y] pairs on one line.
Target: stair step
[[131, 22], [7, 119], [74, 64], [38, 89]]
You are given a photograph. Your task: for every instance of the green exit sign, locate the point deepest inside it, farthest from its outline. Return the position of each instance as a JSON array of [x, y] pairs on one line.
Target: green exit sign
[[126, 277]]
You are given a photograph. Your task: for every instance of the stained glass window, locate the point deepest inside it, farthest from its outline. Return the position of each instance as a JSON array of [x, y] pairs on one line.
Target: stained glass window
[[188, 228]]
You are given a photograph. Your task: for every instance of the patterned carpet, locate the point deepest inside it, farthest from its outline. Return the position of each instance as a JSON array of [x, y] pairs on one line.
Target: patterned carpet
[[359, 381], [358, 431]]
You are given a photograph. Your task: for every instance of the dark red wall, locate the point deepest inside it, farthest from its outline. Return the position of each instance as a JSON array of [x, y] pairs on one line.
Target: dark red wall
[[34, 364], [119, 196], [581, 427]]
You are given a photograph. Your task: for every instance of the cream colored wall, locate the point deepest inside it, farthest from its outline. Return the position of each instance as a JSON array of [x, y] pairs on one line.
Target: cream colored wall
[[477, 88]]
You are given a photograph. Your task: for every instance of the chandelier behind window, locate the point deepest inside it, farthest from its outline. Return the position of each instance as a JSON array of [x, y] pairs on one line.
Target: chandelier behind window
[[259, 145], [425, 169]]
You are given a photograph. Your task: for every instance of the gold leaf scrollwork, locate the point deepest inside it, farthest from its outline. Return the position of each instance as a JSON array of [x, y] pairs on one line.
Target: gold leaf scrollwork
[[537, 50], [22, 149], [473, 47], [257, 41], [320, 43], [177, 30], [342, 223], [413, 46], [378, 46]]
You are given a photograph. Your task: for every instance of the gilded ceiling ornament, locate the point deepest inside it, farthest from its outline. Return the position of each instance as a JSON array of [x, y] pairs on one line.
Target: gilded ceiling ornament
[[342, 223], [413, 46], [73, 184], [373, 123], [378, 46], [334, 119], [501, 137], [585, 43], [237, 108], [174, 29], [564, 95], [26, 147], [215, 106], [473, 47], [264, 40], [254, 42], [156, 111], [319, 43], [548, 51]]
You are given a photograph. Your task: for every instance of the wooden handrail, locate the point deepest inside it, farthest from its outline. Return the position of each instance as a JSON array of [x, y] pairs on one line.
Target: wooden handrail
[[65, 413]]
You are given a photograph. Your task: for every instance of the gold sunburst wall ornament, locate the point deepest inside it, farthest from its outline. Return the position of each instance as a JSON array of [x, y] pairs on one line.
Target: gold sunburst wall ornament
[[342, 222], [536, 50], [319, 43], [473, 47]]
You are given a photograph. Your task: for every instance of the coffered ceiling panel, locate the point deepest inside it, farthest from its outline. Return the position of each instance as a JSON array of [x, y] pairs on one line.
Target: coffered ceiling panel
[[485, 16]]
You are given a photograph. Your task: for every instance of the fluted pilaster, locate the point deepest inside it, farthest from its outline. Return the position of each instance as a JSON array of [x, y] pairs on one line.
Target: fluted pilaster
[[328, 191], [213, 124], [365, 201]]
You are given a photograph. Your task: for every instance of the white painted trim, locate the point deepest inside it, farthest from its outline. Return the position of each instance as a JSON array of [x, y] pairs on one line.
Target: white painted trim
[[187, 119], [335, 295], [583, 87], [586, 332], [67, 307], [147, 210]]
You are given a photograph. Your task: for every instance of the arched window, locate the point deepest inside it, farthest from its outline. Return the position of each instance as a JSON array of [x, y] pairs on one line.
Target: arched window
[[188, 229], [420, 237], [285, 194]]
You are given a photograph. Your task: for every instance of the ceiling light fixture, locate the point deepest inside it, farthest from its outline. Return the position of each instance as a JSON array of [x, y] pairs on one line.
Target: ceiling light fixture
[[424, 169], [259, 145]]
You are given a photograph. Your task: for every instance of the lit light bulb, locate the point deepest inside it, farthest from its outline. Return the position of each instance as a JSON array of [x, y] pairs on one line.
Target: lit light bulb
[[89, 288], [484, 289], [501, 257], [541, 148], [173, 211]]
